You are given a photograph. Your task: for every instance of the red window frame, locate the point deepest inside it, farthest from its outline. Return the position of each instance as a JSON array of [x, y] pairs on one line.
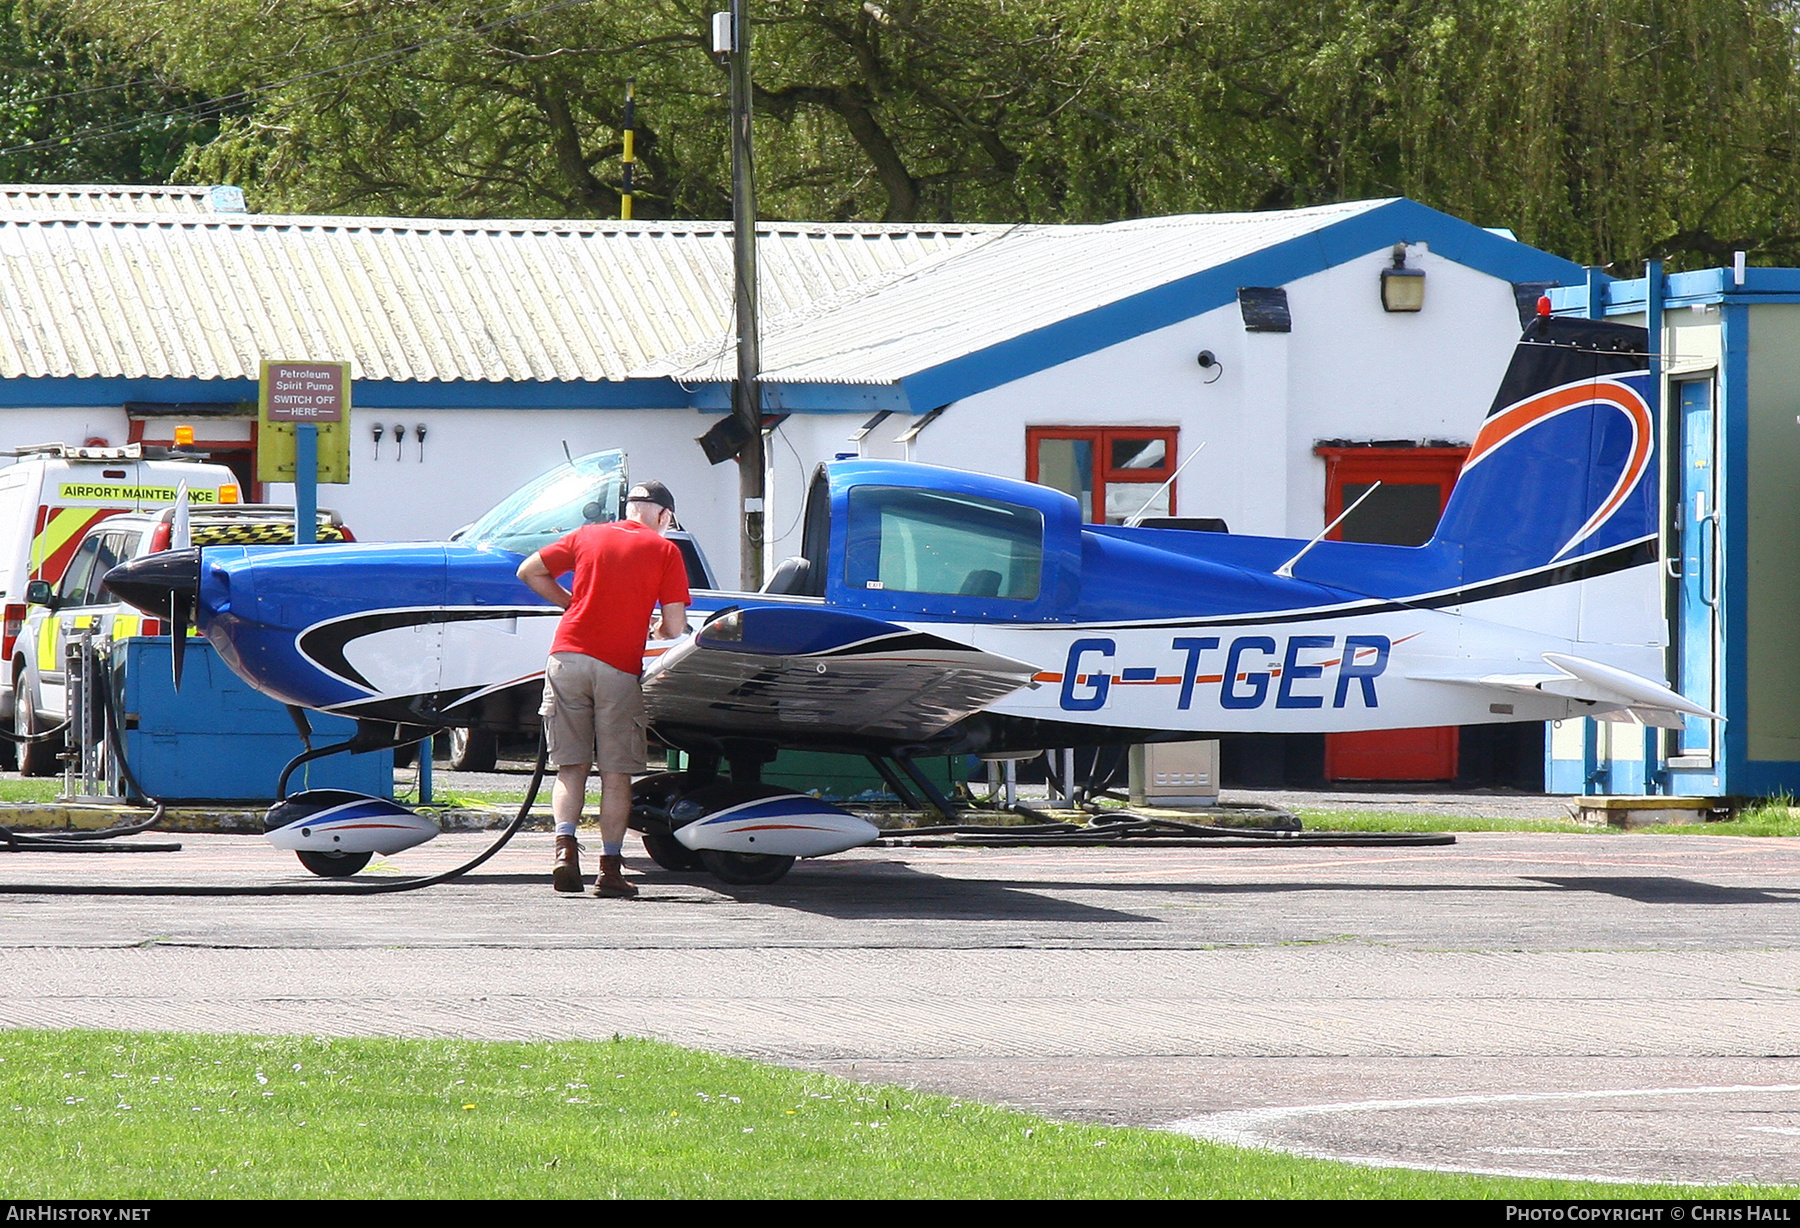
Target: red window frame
[[1413, 466], [1103, 437]]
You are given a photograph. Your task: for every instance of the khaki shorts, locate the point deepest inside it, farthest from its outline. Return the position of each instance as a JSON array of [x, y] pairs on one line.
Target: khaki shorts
[[593, 714]]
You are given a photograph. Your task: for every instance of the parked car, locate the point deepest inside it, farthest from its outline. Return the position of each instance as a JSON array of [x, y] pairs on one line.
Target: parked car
[[54, 494], [79, 601]]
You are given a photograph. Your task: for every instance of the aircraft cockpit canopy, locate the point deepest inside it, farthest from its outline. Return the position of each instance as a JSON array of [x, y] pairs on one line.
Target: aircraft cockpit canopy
[[927, 541], [588, 490]]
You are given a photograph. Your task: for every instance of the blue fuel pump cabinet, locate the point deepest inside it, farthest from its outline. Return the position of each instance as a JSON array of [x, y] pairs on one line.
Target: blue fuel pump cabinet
[[217, 739]]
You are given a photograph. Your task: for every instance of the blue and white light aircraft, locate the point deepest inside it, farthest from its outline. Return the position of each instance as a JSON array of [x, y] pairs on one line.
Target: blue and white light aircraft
[[934, 611]]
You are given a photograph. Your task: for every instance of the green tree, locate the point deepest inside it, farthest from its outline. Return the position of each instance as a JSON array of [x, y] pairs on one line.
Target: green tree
[[72, 109], [1607, 130]]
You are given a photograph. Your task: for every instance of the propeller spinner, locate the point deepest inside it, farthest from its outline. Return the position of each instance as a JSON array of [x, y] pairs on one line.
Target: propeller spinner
[[166, 584]]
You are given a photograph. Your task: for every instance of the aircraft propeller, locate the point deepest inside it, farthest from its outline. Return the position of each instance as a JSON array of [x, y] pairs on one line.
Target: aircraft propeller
[[166, 584]]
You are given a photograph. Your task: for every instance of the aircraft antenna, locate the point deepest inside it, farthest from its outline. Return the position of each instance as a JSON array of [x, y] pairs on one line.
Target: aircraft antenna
[[1286, 570], [1137, 517]]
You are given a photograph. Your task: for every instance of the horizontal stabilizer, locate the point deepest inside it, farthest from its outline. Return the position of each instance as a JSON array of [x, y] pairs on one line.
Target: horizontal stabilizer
[[1621, 694], [1638, 691]]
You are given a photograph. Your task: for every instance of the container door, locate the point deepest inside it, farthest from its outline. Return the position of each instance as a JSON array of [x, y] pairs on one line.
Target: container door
[[1694, 538]]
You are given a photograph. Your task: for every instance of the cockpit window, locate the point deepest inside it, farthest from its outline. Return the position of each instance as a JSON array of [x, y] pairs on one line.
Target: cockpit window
[[588, 490], [920, 541]]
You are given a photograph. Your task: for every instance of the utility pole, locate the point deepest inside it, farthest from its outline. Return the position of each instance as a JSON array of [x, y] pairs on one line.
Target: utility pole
[[746, 391]]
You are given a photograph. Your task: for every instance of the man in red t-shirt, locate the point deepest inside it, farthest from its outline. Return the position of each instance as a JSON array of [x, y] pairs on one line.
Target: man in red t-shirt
[[593, 704]]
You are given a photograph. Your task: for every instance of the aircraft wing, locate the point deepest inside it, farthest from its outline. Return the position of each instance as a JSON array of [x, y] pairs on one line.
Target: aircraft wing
[[805, 669], [1623, 695]]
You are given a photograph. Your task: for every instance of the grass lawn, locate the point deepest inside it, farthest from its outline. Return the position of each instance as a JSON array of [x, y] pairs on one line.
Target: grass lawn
[[34, 789], [1382, 820], [119, 1115], [1772, 818], [1775, 817]]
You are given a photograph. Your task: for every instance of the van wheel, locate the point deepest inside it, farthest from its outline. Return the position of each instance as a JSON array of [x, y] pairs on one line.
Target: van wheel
[[35, 758]]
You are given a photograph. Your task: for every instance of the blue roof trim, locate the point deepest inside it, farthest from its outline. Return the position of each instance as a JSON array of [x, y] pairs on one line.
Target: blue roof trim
[[57, 392], [715, 397], [1332, 244]]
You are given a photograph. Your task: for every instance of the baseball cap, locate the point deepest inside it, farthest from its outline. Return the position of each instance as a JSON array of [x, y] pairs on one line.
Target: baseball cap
[[651, 492]]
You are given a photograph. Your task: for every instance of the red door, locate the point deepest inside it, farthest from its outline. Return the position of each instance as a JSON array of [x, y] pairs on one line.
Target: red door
[[1415, 485]]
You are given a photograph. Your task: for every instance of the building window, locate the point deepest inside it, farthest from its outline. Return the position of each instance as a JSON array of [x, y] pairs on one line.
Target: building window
[[1112, 470], [1415, 486]]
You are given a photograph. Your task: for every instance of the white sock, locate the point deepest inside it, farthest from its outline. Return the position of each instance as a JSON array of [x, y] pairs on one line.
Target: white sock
[[565, 829]]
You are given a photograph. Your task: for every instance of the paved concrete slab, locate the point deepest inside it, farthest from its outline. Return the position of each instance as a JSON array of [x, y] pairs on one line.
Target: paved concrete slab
[[1605, 1005]]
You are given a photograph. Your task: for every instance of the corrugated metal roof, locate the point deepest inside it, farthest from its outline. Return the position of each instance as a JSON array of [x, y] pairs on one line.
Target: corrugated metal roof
[[101, 198], [983, 294], [179, 296]]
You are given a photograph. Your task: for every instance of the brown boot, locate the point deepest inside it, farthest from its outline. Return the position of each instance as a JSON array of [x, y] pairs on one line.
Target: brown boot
[[565, 874], [612, 884]]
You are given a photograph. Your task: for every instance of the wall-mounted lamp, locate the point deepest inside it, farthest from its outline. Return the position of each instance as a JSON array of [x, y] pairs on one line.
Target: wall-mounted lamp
[[1402, 289]]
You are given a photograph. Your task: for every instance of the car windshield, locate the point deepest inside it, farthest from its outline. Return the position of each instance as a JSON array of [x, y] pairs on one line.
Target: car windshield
[[588, 490]]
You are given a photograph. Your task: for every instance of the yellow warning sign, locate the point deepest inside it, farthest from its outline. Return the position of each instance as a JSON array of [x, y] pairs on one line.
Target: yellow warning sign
[[325, 387]]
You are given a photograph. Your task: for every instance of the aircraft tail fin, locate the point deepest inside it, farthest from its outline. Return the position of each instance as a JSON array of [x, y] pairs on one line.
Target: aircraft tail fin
[[1563, 469]]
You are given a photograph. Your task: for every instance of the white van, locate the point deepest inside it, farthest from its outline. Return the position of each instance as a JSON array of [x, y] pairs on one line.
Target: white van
[[49, 500]]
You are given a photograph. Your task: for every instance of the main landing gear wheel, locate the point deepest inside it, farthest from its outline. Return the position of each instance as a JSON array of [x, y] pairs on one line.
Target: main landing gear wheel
[[35, 758], [334, 865], [745, 869], [668, 852], [473, 750]]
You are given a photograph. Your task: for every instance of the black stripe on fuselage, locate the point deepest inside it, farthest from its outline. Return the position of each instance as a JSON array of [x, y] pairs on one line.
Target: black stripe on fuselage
[[324, 643]]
